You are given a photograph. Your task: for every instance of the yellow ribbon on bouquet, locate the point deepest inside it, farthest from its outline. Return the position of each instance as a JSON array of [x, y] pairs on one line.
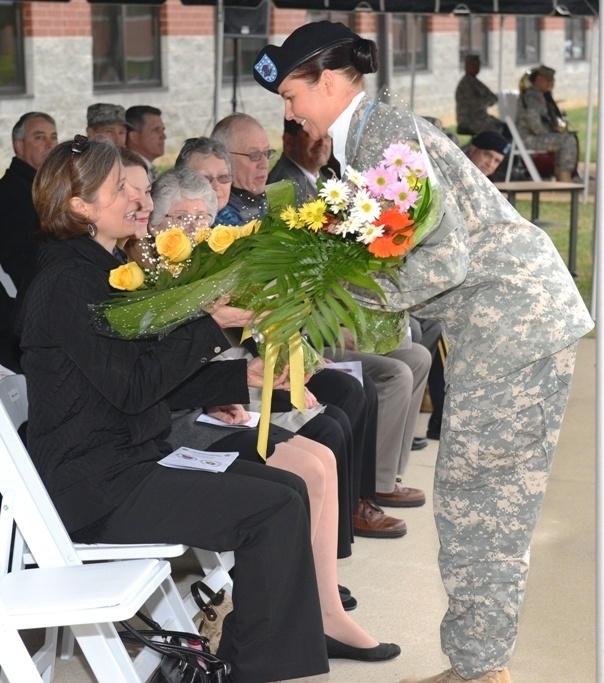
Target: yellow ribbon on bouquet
[[296, 382]]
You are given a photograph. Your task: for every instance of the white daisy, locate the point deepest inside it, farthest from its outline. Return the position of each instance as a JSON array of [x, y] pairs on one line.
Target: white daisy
[[355, 177], [369, 232], [365, 207], [335, 192]]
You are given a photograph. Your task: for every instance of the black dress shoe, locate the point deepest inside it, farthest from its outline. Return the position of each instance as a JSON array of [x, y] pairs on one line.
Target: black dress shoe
[[348, 601], [379, 653], [418, 443]]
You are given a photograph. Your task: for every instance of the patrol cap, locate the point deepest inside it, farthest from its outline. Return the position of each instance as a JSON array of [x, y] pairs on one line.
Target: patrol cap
[[106, 114], [274, 63], [545, 72], [488, 139], [472, 58]]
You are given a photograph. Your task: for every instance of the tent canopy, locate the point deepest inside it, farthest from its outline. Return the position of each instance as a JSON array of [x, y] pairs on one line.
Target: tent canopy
[[528, 7]]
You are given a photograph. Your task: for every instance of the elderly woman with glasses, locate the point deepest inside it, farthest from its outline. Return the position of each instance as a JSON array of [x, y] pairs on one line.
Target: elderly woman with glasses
[[209, 158]]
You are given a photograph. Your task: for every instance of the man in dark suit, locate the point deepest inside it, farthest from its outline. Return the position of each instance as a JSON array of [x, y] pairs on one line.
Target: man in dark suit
[[301, 160], [34, 135]]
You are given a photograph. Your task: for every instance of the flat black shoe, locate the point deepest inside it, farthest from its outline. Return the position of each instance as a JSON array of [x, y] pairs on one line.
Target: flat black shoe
[[379, 653], [348, 602], [418, 443], [344, 590]]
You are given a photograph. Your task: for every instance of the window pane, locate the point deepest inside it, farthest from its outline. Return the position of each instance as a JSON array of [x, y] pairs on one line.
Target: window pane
[[141, 45], [405, 29], [527, 40], [574, 45], [12, 79], [125, 45], [239, 57], [474, 38]]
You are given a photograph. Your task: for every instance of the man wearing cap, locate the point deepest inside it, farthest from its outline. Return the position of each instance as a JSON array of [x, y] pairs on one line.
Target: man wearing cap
[[541, 125], [472, 99], [107, 121], [487, 150]]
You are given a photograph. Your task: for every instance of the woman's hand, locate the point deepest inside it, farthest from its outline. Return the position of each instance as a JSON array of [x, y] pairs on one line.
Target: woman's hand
[[234, 414], [255, 375], [229, 316], [310, 400]]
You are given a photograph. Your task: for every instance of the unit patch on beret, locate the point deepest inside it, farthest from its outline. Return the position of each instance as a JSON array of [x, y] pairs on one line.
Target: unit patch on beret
[[266, 68]]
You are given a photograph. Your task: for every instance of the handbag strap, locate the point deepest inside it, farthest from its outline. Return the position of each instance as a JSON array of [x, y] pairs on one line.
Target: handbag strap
[[207, 606]]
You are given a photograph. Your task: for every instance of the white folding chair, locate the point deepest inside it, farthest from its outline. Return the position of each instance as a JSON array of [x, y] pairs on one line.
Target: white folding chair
[[215, 566], [508, 103], [64, 592]]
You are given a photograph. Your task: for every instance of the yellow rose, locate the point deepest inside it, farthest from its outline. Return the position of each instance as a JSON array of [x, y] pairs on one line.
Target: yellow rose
[[174, 245], [128, 277], [249, 228], [222, 236]]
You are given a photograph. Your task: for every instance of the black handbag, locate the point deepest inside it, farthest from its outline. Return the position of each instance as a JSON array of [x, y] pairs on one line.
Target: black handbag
[[186, 657]]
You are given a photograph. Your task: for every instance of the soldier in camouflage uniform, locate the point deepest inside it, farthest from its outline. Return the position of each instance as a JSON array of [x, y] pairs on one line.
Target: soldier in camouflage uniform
[[512, 316], [472, 99], [542, 127]]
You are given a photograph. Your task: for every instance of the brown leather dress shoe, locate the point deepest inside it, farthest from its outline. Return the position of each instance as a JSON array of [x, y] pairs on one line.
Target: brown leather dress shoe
[[401, 497], [371, 521]]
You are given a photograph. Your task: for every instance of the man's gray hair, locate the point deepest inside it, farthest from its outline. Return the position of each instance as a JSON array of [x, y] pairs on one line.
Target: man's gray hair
[[19, 127], [206, 147], [224, 128], [176, 184]]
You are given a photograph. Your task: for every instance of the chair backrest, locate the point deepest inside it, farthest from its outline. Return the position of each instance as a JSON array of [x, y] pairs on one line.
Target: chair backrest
[[13, 394], [508, 105], [25, 501]]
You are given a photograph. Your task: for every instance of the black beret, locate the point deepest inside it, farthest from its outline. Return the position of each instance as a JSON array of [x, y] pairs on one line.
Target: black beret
[[274, 63], [488, 139]]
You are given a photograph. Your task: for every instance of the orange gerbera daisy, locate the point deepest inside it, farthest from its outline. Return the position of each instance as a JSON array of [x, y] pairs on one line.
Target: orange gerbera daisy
[[397, 238]]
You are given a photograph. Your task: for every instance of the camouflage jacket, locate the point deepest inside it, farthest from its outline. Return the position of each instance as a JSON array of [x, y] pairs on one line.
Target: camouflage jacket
[[472, 99], [495, 281]]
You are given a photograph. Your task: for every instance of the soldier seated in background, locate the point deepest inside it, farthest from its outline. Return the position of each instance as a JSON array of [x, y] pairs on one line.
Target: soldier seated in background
[[542, 125], [472, 99]]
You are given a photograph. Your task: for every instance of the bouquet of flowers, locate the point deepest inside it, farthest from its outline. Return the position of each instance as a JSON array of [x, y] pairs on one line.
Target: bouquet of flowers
[[297, 267]]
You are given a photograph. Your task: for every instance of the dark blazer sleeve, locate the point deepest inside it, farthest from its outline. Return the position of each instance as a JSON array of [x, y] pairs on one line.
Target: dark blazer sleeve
[[133, 375]]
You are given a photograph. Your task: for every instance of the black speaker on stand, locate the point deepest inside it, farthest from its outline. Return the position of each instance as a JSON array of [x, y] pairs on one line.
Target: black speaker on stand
[[241, 23]]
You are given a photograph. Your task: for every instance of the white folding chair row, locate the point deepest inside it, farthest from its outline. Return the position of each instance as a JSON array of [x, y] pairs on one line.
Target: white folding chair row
[[508, 104], [215, 566], [62, 590]]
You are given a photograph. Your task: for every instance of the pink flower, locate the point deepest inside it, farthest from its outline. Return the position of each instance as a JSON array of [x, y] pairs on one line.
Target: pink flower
[[402, 195], [378, 179], [397, 155], [417, 165]]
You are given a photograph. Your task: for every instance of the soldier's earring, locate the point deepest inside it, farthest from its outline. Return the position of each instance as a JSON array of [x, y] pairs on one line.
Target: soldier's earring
[[92, 229]]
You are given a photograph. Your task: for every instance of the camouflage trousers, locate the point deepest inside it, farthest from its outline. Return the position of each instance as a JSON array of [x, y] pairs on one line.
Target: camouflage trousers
[[565, 146], [495, 454]]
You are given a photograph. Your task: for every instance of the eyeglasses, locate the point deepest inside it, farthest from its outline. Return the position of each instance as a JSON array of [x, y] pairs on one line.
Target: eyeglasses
[[256, 156], [223, 178], [185, 220], [80, 144]]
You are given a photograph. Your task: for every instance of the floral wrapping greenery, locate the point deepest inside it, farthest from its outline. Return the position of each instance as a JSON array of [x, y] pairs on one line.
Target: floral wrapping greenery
[[297, 266]]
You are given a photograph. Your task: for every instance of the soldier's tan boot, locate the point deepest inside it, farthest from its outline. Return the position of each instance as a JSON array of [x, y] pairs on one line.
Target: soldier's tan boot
[[450, 676]]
